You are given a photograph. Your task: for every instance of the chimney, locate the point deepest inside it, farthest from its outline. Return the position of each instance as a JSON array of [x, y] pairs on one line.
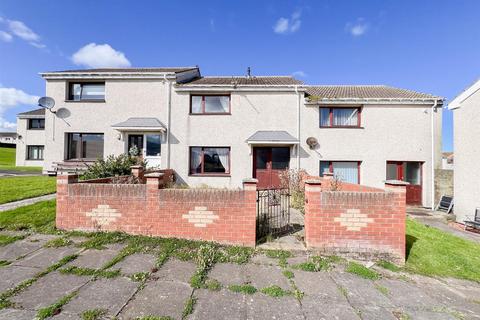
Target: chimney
[[249, 75]]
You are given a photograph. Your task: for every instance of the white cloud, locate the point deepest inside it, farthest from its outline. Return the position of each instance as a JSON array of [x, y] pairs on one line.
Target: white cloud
[[288, 25], [100, 55], [359, 28], [5, 36], [212, 25], [20, 30], [11, 98], [299, 73]]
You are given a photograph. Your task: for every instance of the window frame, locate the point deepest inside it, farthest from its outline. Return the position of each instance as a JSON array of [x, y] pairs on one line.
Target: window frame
[[69, 94], [330, 167], [27, 155], [29, 124], [204, 112], [330, 117], [70, 134], [209, 174]]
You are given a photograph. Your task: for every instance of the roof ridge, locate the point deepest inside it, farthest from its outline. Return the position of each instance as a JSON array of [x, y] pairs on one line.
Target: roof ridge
[[243, 76]]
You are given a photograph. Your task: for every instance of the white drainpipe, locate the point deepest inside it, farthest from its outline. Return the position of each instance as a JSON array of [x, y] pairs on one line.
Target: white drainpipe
[[432, 123], [298, 126], [169, 118]]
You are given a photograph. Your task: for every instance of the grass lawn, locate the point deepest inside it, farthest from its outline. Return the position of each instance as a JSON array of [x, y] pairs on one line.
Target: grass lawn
[[7, 161], [433, 252], [18, 188], [38, 217]]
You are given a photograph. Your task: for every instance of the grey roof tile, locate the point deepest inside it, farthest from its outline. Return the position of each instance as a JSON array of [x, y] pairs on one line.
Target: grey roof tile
[[36, 112], [251, 81], [364, 92], [272, 136], [140, 123]]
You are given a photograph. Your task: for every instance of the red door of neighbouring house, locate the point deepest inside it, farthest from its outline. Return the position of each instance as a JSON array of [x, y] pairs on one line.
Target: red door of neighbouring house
[[411, 172], [268, 163]]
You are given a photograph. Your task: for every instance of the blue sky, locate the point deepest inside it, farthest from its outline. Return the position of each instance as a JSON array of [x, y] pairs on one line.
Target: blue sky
[[429, 46]]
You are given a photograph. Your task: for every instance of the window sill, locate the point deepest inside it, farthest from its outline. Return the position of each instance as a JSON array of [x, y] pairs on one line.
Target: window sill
[[80, 101], [209, 175], [341, 127], [210, 114], [34, 129]]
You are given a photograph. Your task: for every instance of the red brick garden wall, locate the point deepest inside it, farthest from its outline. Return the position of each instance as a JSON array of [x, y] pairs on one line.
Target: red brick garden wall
[[225, 216], [367, 223]]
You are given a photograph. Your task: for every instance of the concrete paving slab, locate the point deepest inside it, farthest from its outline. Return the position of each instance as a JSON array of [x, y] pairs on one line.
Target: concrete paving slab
[[319, 285], [176, 270], [11, 276], [261, 276], [262, 307], [404, 294], [260, 258], [316, 308], [297, 259], [430, 315], [48, 290], [228, 273], [94, 259], [66, 316], [107, 294], [374, 313], [135, 263], [20, 248], [45, 257], [158, 298], [219, 305], [360, 292], [10, 314]]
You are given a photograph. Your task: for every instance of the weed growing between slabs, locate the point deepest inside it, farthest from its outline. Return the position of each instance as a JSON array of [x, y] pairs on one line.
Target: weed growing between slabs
[[5, 239], [189, 305], [55, 308], [362, 271], [79, 271], [242, 288], [94, 314]]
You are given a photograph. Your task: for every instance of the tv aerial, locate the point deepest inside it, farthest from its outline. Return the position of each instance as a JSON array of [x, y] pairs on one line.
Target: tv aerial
[[47, 103]]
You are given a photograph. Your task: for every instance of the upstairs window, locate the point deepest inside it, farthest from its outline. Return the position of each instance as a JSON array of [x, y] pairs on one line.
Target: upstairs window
[[339, 117], [87, 91], [210, 104], [36, 124]]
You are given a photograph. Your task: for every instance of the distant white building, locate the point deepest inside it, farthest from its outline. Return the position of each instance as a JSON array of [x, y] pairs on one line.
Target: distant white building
[[31, 138], [447, 160], [466, 143], [8, 137]]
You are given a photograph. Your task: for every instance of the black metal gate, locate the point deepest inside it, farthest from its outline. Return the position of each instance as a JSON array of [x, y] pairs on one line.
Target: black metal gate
[[273, 212]]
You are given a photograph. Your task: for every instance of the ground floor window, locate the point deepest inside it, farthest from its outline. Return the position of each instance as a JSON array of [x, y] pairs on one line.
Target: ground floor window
[[35, 152], [407, 171], [347, 171], [84, 146], [209, 160]]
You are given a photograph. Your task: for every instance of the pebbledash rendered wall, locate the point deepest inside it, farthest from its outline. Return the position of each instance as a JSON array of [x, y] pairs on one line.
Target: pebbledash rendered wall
[[357, 221], [224, 216]]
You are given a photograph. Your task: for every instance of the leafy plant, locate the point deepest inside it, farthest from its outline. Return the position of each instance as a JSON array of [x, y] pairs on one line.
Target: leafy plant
[[243, 288], [274, 291], [94, 314], [112, 166], [362, 271], [293, 180]]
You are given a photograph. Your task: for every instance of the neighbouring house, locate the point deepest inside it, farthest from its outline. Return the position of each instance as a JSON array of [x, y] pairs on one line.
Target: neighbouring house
[[8, 137], [31, 138], [447, 160], [466, 137], [219, 130]]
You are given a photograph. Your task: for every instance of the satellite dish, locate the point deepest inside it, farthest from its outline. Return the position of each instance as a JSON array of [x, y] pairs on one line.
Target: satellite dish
[[312, 142], [63, 113], [46, 102]]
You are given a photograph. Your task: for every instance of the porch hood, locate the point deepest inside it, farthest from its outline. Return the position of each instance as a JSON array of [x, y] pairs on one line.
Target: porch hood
[[140, 124], [272, 137]]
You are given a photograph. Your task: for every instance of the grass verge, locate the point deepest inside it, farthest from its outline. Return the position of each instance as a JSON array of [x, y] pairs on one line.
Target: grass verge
[[37, 217], [18, 188], [7, 161]]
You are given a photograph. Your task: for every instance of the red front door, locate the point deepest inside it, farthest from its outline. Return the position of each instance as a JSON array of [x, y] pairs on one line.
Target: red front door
[[410, 172], [268, 163]]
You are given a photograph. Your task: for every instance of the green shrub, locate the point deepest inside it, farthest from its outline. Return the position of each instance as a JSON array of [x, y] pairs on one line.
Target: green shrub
[[112, 166]]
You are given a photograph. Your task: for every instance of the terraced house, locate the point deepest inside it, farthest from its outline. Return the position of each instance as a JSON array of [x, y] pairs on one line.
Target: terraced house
[[220, 130]]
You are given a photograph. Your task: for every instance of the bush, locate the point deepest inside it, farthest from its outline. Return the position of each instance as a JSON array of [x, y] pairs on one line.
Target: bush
[[112, 166], [293, 180]]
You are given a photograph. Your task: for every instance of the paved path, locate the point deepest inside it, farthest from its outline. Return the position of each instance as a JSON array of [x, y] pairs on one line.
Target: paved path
[[332, 294], [25, 202]]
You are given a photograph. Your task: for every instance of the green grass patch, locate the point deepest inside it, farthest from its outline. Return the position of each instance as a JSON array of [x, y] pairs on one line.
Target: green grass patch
[[39, 217], [362, 271], [18, 188], [234, 254], [55, 308], [388, 266], [139, 276], [189, 305], [288, 274], [213, 285], [314, 265], [99, 240], [4, 263], [94, 314], [90, 272], [58, 242], [433, 252], [275, 291], [5, 239], [278, 254], [242, 288], [7, 161]]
